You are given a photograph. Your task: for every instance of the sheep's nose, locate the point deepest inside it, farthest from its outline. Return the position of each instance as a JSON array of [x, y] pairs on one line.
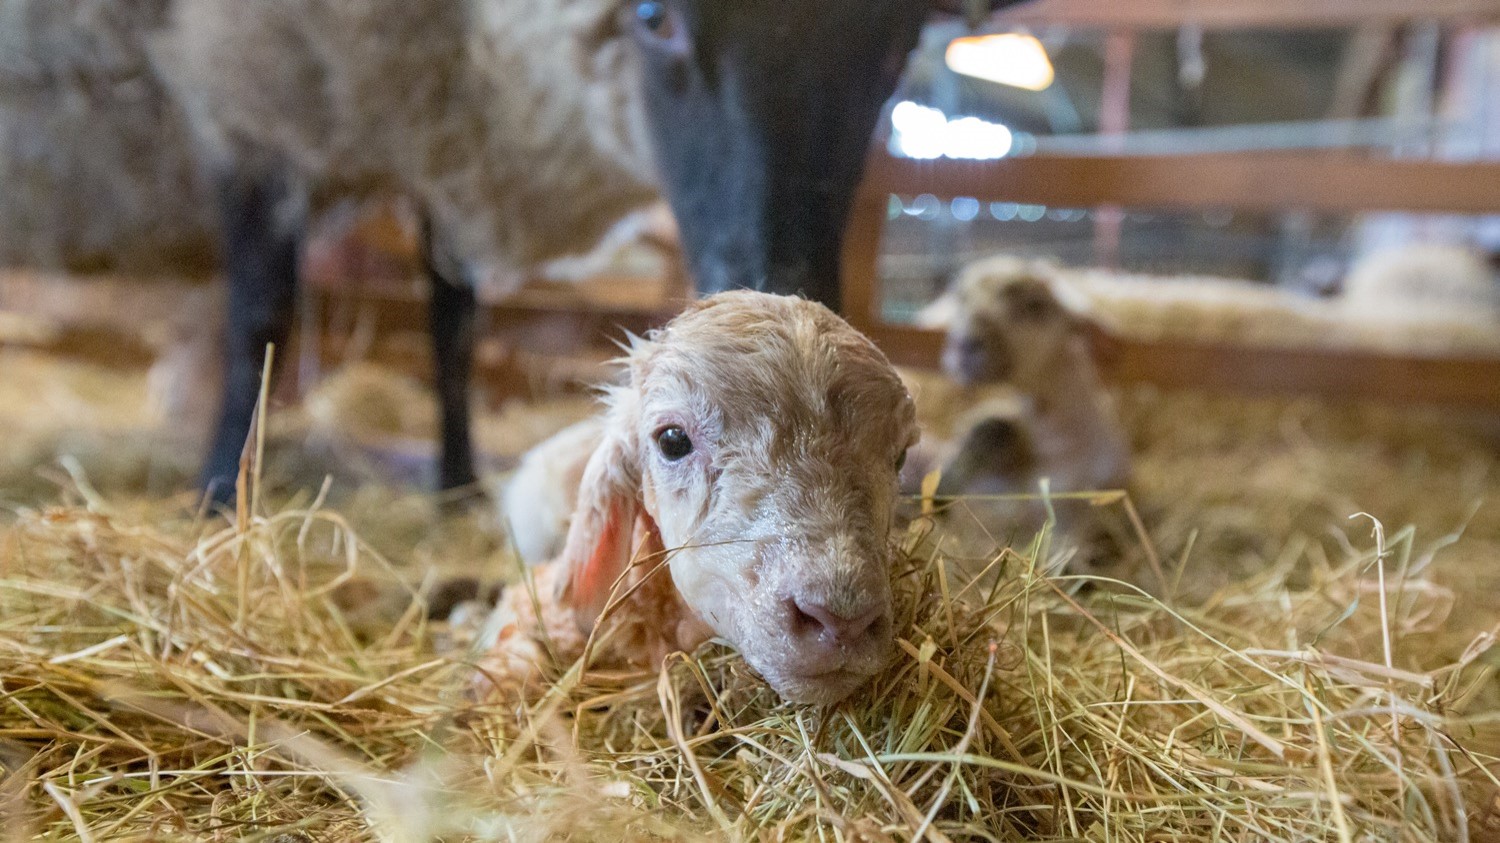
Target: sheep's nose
[[817, 619], [968, 346], [964, 357]]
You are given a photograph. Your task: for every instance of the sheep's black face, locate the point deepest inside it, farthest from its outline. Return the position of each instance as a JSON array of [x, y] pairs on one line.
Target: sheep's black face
[[761, 112]]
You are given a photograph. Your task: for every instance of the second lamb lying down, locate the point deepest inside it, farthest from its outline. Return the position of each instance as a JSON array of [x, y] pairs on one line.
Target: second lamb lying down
[[742, 484], [1019, 323]]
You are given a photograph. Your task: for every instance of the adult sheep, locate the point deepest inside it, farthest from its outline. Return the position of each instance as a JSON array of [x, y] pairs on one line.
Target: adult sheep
[[523, 128], [97, 167]]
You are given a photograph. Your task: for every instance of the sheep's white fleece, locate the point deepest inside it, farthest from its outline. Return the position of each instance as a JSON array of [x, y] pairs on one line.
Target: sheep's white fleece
[[515, 122], [97, 163]]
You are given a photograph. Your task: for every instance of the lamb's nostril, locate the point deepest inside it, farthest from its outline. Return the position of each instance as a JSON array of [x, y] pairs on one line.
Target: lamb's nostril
[[814, 617], [803, 624]]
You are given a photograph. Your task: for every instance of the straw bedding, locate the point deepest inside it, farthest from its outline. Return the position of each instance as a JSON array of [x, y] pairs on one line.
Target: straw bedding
[[271, 675]]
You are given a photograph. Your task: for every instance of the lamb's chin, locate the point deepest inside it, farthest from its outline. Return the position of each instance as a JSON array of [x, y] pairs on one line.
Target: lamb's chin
[[820, 689]]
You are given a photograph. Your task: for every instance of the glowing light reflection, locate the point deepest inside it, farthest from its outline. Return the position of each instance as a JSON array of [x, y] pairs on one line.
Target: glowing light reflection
[[927, 133]]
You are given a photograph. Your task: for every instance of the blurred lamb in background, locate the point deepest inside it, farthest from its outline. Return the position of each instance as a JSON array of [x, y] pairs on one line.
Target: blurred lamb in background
[[1016, 322]]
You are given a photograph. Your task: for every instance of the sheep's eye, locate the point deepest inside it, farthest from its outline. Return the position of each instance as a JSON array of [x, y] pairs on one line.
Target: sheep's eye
[[654, 18], [674, 444], [1029, 301], [901, 462]]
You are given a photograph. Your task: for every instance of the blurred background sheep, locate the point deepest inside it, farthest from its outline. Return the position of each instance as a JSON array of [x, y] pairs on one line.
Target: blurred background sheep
[[99, 166], [1430, 279], [1019, 324]]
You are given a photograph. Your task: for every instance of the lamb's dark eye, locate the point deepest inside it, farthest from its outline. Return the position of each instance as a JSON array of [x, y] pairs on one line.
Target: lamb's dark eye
[[674, 443], [1032, 309], [901, 461], [1029, 302], [654, 18]]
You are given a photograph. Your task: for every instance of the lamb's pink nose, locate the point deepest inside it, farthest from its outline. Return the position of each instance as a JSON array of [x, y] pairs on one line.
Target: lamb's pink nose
[[817, 620]]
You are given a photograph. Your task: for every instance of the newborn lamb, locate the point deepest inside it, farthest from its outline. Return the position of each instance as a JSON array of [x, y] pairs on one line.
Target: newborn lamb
[[1017, 322], [537, 502], [752, 453]]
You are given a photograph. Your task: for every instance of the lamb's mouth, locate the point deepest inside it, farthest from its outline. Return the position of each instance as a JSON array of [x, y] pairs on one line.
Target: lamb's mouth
[[825, 675]]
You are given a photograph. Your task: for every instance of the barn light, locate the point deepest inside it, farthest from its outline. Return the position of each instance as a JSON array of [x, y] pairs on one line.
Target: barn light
[[926, 133], [1009, 59]]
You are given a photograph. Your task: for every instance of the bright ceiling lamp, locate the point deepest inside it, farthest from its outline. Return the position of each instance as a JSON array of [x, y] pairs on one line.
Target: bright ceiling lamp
[[1009, 59]]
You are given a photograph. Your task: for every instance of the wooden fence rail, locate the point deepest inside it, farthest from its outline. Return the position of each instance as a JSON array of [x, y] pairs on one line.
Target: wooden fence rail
[[1265, 181]]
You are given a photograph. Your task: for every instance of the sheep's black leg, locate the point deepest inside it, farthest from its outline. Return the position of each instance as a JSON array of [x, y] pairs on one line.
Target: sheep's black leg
[[262, 231], [451, 319]]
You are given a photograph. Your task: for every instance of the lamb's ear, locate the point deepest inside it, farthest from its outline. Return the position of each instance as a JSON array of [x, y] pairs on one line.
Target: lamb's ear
[[602, 534], [940, 313], [1082, 313], [1105, 340]]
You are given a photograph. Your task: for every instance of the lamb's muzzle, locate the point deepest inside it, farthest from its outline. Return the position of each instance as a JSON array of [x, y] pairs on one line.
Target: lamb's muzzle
[[754, 450]]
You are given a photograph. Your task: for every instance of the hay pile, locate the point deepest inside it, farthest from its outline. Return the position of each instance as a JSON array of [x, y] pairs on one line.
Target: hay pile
[[1230, 486], [165, 678], [165, 675]]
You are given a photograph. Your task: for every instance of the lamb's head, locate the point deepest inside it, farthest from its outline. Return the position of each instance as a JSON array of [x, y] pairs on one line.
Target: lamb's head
[[1007, 320], [759, 437], [761, 112]]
